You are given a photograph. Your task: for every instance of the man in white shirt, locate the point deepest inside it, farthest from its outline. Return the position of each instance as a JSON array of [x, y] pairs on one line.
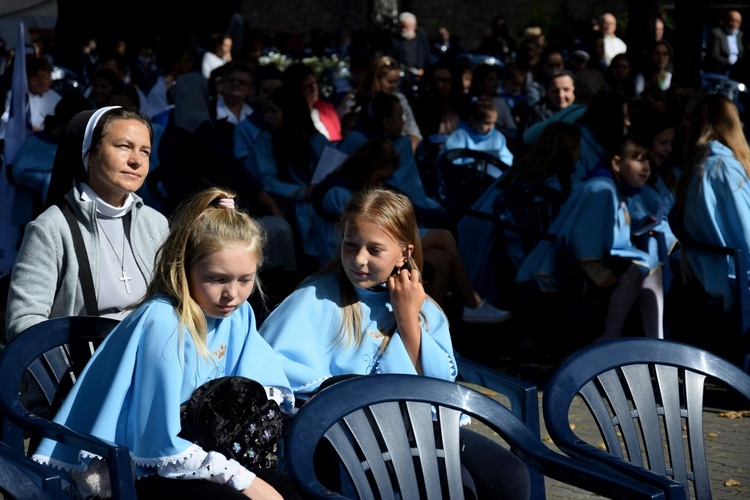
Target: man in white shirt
[[612, 44]]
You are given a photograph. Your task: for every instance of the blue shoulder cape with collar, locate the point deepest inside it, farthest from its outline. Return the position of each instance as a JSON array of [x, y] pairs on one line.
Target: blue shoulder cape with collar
[[132, 388]]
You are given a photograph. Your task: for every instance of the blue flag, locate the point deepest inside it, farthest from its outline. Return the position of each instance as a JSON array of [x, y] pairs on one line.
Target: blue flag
[[17, 130]]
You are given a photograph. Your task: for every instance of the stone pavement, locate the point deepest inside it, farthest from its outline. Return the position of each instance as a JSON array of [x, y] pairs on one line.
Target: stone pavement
[[727, 447]]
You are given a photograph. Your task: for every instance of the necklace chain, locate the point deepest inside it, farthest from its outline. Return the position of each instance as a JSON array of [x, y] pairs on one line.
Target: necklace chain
[[123, 277]]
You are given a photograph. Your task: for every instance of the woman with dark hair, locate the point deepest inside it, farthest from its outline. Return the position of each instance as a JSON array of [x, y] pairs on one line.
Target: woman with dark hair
[[285, 158], [620, 75], [656, 68], [324, 116], [439, 108]]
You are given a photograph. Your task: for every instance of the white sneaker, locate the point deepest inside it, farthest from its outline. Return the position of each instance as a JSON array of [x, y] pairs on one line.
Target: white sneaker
[[485, 313]]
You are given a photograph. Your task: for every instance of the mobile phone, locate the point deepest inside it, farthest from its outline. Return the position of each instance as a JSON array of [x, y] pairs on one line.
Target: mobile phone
[[383, 285]]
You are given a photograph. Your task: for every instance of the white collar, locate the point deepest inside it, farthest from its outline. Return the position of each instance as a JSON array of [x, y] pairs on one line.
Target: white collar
[[222, 112], [104, 208]]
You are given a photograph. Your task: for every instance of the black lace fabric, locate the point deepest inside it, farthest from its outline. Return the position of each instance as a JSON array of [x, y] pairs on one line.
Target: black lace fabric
[[233, 416]]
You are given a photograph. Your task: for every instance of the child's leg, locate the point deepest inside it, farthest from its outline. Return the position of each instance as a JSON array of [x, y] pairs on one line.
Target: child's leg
[[442, 268], [623, 297], [444, 240], [652, 305]]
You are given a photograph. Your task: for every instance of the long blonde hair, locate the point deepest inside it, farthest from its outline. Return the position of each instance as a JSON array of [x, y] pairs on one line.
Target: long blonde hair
[[713, 118], [393, 213], [716, 118], [201, 227]]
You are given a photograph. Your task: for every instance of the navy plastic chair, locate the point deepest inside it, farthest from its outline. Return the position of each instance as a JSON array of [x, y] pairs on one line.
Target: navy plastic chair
[[462, 175], [702, 312], [53, 353], [522, 398], [641, 392], [387, 444], [22, 478]]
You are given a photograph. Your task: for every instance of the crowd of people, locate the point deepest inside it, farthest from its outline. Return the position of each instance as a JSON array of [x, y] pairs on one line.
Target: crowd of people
[[177, 189]]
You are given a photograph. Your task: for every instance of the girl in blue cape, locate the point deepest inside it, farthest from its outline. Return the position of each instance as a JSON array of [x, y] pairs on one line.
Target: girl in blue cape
[[713, 197], [478, 133], [196, 325], [372, 164], [366, 312], [596, 225]]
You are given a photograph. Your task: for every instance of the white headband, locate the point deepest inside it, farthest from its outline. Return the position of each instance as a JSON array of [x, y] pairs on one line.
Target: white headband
[[89, 133]]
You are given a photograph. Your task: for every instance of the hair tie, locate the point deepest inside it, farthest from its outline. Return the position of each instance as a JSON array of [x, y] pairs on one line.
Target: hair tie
[[226, 203], [89, 133]]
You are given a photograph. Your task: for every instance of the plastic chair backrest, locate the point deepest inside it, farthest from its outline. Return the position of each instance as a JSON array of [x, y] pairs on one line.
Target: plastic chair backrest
[[53, 353], [462, 176], [21, 477], [530, 210], [641, 393], [738, 346], [381, 431]]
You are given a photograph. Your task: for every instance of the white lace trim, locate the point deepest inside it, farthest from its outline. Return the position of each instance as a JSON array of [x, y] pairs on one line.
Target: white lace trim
[[319, 381], [178, 459], [85, 457]]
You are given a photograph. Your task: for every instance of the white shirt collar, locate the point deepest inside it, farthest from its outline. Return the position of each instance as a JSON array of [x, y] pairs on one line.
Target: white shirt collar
[[222, 112]]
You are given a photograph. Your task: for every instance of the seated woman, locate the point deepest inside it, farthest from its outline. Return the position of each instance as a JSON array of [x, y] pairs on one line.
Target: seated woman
[[596, 225], [371, 315], [372, 164], [285, 158], [118, 233], [323, 113]]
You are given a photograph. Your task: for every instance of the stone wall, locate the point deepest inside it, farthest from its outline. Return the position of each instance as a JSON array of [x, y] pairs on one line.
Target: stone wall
[[466, 18]]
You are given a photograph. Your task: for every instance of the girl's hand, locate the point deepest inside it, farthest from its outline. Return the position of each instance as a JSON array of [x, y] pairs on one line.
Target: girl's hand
[[407, 295], [261, 490]]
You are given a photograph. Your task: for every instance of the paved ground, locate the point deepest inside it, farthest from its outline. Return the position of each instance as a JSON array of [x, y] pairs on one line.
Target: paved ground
[[531, 345], [727, 446]]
